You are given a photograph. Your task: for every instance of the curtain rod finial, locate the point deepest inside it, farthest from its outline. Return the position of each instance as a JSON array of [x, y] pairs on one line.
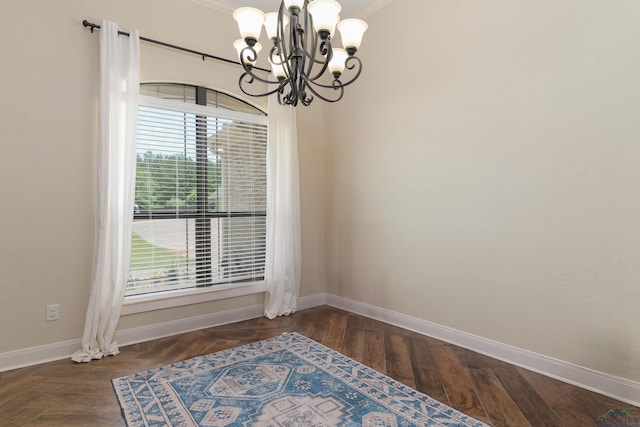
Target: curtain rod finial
[[91, 26]]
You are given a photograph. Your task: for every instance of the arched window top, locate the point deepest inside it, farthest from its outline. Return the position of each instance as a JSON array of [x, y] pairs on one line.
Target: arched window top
[[187, 93]]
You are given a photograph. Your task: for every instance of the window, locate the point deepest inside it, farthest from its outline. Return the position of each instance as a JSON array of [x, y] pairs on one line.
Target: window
[[200, 199]]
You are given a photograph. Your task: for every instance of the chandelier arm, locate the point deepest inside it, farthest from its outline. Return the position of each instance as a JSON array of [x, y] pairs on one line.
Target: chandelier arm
[[307, 101], [291, 98], [297, 87], [249, 73], [327, 51], [248, 66], [250, 79], [278, 55], [303, 43], [275, 53], [285, 49], [305, 98], [339, 84], [322, 49], [311, 52], [339, 88]]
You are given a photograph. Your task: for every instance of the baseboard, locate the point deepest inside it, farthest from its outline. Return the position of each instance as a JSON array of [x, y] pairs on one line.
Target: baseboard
[[181, 326], [622, 389], [63, 350], [35, 355], [618, 388], [312, 301]]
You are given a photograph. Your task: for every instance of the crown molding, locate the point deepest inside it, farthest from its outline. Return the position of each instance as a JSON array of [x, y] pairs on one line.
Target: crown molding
[[228, 7], [219, 5], [373, 7]]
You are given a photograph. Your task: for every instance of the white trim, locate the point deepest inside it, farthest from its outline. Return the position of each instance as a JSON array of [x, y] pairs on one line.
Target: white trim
[[35, 355], [161, 330], [158, 301], [202, 110], [219, 5], [622, 389], [238, 95], [311, 301], [374, 6], [63, 350], [181, 326], [227, 7]]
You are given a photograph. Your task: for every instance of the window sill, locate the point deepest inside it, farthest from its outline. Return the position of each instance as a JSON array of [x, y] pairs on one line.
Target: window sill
[[158, 301]]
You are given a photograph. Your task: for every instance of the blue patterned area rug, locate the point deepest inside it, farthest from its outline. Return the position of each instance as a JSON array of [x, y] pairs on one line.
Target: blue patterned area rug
[[289, 380]]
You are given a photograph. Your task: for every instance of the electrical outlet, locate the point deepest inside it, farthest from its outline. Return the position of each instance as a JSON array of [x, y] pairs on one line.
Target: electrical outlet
[[53, 312]]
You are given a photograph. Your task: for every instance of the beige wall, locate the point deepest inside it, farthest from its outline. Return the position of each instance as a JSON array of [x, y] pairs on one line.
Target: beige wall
[[492, 187], [48, 134], [483, 174]]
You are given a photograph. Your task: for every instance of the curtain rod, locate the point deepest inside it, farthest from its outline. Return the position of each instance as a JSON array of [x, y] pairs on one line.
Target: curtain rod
[[204, 55]]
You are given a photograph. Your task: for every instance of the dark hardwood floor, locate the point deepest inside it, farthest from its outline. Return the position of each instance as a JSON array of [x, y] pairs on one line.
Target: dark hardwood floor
[[64, 393]]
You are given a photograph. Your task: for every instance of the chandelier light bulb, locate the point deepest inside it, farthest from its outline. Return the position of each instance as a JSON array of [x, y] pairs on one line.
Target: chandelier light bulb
[[250, 22], [351, 31], [271, 24], [325, 16]]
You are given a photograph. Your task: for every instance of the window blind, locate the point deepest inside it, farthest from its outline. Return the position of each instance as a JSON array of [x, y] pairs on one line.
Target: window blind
[[200, 202]]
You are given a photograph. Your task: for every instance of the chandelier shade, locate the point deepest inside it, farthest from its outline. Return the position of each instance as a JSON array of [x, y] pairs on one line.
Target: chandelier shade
[[325, 14], [351, 31], [271, 24], [303, 61], [250, 21], [336, 65], [294, 3]]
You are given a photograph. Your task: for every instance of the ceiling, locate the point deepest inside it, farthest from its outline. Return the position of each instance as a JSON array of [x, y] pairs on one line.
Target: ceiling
[[350, 8]]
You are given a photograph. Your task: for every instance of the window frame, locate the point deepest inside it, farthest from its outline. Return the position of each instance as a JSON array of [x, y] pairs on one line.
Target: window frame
[[138, 303]]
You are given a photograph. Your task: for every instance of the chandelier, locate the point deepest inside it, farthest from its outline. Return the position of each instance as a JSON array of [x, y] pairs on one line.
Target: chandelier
[[302, 53]]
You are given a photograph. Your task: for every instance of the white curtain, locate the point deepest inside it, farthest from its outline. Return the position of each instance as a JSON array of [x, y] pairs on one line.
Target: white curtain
[[119, 86], [283, 257]]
